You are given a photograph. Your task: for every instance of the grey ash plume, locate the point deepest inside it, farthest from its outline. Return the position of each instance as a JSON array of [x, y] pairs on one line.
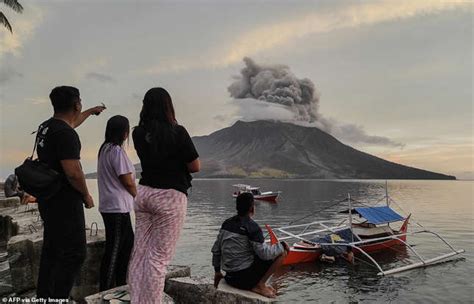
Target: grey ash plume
[[277, 85]]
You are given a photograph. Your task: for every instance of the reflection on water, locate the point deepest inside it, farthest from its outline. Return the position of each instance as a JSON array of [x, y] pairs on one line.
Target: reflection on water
[[443, 206]]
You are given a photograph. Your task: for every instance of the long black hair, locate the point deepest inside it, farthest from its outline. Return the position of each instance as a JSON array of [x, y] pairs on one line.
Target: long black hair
[[115, 132], [157, 118]]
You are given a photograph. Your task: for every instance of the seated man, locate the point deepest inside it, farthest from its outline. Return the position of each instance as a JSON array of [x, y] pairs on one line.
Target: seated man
[[12, 188], [242, 252]]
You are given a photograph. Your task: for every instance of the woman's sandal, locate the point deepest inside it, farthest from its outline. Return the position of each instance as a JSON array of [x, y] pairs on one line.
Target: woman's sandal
[[121, 295]]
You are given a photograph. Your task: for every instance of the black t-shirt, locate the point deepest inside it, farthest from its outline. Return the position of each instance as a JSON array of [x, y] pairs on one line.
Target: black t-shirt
[[58, 141], [165, 167]]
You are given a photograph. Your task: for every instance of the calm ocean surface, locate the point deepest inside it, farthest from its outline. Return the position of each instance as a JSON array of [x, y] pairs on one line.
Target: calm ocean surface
[[442, 206]]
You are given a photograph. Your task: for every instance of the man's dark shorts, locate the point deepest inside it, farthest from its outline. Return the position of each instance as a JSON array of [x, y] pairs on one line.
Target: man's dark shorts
[[249, 277]]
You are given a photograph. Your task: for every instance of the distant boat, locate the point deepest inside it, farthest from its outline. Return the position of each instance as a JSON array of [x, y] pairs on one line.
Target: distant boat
[[269, 196]]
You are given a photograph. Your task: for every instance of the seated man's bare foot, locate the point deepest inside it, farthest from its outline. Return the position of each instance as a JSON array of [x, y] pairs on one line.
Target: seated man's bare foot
[[349, 257], [272, 288], [264, 291]]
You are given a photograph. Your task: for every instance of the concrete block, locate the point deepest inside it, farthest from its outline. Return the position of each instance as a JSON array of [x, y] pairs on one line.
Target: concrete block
[[191, 290], [98, 297], [28, 223], [9, 202], [177, 271], [229, 294], [6, 228], [201, 290], [87, 281], [173, 271], [20, 263], [5, 277]]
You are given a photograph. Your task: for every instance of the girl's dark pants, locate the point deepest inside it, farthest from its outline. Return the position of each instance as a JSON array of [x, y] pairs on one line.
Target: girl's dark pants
[[118, 247]]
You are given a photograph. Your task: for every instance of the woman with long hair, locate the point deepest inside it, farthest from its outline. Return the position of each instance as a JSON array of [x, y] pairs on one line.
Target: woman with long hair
[[117, 189], [167, 157]]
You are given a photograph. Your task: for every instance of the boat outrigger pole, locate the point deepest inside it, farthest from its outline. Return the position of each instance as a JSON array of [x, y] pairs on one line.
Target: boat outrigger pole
[[372, 235], [350, 216]]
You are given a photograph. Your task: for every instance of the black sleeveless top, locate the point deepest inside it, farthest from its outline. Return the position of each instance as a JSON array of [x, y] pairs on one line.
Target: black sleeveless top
[[165, 168]]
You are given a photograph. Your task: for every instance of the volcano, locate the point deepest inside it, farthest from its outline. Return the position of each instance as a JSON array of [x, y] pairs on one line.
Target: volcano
[[271, 149]]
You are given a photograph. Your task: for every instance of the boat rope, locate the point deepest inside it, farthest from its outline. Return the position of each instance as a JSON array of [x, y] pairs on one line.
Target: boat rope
[[341, 222], [318, 210], [412, 218]]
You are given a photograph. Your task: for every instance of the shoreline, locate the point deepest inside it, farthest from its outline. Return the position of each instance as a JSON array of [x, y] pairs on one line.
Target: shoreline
[[20, 249]]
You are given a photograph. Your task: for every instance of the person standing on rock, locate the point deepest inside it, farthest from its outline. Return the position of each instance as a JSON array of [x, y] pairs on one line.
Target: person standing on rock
[[64, 236], [167, 157], [116, 180]]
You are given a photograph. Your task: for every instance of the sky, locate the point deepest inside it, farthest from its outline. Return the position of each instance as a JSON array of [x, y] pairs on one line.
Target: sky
[[396, 70]]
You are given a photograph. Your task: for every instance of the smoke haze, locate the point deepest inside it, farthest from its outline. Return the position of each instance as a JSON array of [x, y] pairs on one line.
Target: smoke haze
[[277, 84], [290, 99]]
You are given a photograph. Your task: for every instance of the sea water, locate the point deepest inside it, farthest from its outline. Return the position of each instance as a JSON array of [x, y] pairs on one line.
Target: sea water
[[445, 207]]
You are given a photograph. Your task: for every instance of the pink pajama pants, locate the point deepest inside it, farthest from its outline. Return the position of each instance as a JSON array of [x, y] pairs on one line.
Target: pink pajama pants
[[159, 218]]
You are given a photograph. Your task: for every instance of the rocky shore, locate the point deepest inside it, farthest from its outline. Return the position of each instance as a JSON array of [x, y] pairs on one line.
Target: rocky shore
[[21, 232]]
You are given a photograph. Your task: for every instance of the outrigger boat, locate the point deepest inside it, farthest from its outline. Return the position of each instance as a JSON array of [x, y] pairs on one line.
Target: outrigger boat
[[269, 196], [372, 234]]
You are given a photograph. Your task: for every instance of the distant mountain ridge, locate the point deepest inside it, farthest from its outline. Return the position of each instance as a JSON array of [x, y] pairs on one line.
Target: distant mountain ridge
[[278, 149], [272, 149]]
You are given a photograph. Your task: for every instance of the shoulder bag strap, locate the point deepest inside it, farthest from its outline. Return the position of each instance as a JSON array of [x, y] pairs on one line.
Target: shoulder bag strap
[[36, 141]]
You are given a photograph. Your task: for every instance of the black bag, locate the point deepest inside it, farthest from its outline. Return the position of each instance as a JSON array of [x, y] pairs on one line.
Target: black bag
[[37, 178]]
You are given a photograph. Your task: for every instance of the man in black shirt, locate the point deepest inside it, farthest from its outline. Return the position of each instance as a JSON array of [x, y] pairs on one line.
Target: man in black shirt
[[64, 239]]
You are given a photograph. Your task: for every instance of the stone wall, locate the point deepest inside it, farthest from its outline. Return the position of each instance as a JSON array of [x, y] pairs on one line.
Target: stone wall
[[22, 237], [182, 288], [7, 228], [21, 231]]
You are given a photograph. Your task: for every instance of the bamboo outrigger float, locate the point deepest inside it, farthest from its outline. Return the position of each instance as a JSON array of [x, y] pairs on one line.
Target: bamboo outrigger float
[[373, 234]]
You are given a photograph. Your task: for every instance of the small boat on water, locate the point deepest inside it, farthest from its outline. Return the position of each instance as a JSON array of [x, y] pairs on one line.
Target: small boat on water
[[371, 234], [269, 196]]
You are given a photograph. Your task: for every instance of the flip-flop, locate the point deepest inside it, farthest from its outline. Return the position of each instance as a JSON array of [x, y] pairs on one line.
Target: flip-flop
[[115, 295], [117, 301], [125, 297]]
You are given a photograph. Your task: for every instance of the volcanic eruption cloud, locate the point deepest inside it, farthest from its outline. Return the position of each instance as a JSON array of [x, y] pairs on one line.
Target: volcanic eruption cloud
[[276, 91]]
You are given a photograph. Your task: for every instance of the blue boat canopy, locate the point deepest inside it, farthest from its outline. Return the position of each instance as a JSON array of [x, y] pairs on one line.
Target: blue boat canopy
[[379, 215]]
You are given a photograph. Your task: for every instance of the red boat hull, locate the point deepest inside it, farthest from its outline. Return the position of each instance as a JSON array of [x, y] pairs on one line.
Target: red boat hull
[[268, 198], [297, 256], [312, 254], [379, 246]]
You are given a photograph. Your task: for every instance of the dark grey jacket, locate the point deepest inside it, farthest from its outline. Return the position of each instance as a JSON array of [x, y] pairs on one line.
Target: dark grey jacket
[[239, 240], [11, 186]]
